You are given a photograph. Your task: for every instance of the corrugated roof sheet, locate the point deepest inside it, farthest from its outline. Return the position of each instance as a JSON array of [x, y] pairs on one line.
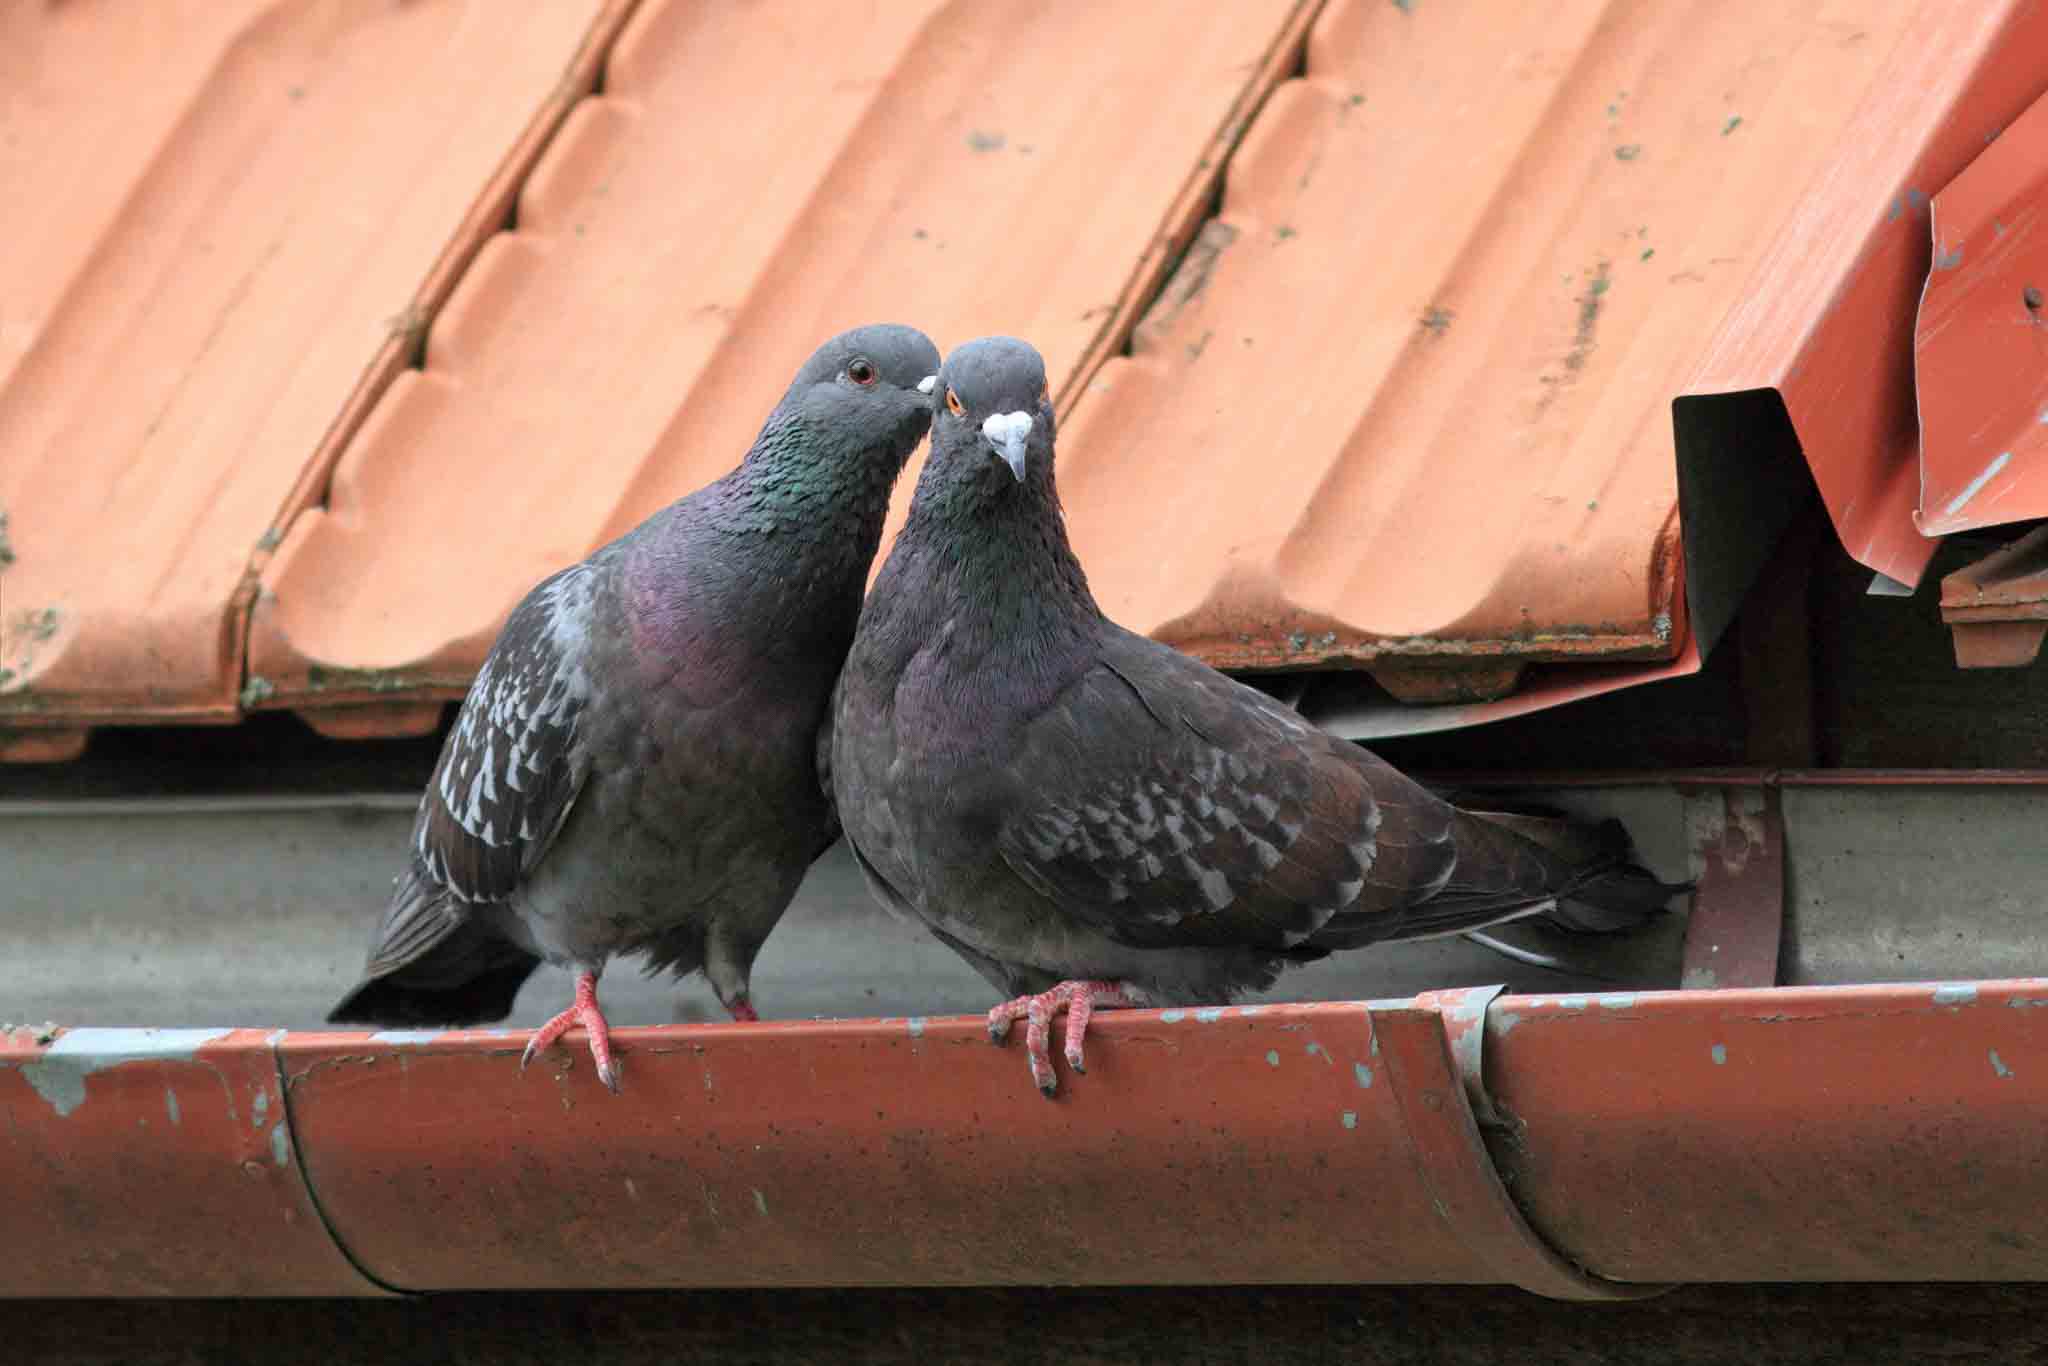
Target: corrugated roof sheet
[[1418, 403], [1402, 403], [967, 168], [210, 270]]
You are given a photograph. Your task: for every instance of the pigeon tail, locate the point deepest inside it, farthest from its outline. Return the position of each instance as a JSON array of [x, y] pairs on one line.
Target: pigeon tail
[[1609, 890], [470, 976]]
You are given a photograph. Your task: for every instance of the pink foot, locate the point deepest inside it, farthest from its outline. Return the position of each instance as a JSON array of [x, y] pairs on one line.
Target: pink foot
[[1078, 999], [585, 1013], [742, 1011]]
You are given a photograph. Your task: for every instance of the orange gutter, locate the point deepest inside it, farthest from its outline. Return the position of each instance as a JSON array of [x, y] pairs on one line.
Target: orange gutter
[[1584, 1147]]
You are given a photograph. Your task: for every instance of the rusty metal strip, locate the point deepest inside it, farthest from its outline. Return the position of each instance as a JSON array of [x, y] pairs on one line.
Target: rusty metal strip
[[157, 1162], [1738, 909], [1433, 1088]]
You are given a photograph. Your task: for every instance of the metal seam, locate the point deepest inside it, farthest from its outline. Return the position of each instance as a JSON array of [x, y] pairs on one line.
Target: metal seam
[[290, 1121], [1431, 1091]]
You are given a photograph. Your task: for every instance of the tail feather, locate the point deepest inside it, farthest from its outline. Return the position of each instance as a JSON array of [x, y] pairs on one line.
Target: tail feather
[[434, 962], [1609, 890], [1575, 876]]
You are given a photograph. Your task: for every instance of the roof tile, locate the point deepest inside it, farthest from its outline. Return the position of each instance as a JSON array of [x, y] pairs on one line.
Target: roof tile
[[213, 271], [695, 231]]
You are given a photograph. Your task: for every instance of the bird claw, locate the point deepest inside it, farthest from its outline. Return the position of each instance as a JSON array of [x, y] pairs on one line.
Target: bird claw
[[586, 1013], [1079, 999]]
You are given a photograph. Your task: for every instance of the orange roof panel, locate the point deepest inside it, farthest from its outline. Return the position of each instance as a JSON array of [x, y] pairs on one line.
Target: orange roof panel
[[1414, 401], [1827, 317], [214, 260], [1981, 347], [692, 234]]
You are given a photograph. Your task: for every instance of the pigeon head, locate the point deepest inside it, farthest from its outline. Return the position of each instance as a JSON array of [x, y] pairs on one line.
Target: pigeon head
[[870, 384], [992, 422]]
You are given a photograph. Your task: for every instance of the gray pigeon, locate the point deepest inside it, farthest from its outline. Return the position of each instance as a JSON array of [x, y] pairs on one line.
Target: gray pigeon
[[634, 767], [1093, 819]]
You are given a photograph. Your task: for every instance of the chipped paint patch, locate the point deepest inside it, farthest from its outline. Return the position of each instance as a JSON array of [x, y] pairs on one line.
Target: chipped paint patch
[[1619, 1001], [275, 1037], [1998, 1066], [1505, 1022], [1955, 993], [1720, 1054], [406, 1037], [258, 1108], [1572, 1002], [1210, 1015], [1363, 1074], [2026, 1002], [1249, 1011], [280, 1145], [1316, 1050], [632, 1191], [1172, 1016], [1349, 1119], [171, 1105], [58, 1074], [1272, 1057], [914, 1026], [1948, 258], [1976, 486], [760, 1202]]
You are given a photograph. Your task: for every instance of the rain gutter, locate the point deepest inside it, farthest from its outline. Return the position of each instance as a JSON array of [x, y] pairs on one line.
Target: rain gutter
[[1583, 1147]]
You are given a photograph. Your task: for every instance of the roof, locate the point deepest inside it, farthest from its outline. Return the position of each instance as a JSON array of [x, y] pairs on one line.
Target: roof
[[1367, 319]]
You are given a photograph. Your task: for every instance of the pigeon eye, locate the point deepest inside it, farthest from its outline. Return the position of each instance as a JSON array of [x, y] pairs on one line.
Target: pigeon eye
[[861, 373], [1045, 393], [954, 405]]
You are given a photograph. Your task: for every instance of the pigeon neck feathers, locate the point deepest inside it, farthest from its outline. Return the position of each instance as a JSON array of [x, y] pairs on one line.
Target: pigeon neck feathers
[[988, 559], [772, 555]]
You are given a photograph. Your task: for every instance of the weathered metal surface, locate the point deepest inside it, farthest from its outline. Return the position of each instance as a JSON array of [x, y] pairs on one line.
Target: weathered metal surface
[[1432, 1050], [1851, 1133], [155, 1162], [1229, 1146], [1736, 929], [1997, 608], [1645, 151], [258, 912], [1885, 1132], [1825, 320], [1540, 687], [218, 269], [1980, 350]]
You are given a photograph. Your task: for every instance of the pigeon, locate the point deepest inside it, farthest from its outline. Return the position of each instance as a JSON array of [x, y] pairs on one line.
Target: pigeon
[[633, 769], [1092, 819]]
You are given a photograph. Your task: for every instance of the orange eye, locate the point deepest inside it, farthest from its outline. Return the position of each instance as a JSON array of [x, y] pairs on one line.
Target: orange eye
[[954, 405], [861, 373]]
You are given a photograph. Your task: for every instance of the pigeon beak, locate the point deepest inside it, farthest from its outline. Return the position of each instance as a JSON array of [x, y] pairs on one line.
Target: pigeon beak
[[1007, 433], [924, 386]]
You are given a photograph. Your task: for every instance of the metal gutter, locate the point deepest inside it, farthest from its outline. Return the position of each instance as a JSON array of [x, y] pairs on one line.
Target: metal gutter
[[1629, 1139]]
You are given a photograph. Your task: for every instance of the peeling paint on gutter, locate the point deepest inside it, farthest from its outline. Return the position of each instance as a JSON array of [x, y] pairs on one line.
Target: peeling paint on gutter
[[1790, 1134]]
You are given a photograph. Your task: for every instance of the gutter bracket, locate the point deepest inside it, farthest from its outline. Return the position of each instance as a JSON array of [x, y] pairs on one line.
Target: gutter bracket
[[1737, 928], [1433, 1048]]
